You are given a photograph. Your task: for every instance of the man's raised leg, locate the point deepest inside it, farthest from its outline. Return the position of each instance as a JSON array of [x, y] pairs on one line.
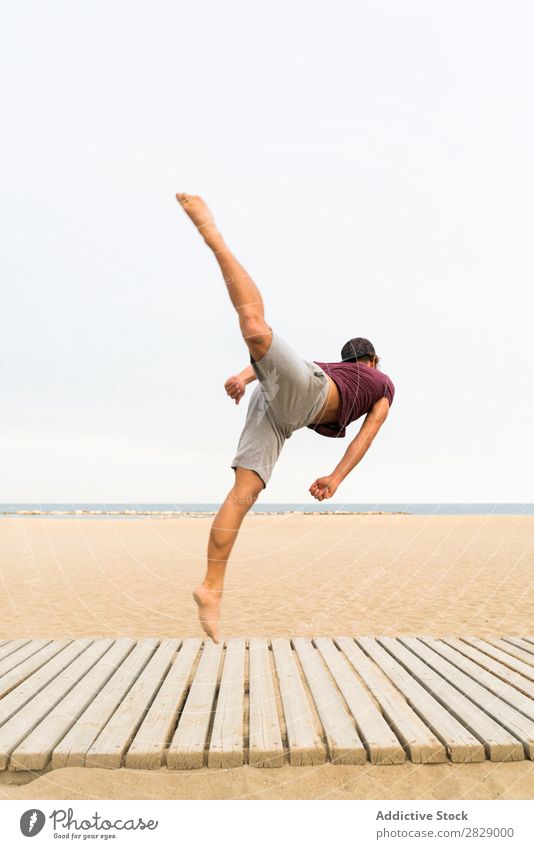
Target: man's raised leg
[[223, 534], [244, 293], [248, 303]]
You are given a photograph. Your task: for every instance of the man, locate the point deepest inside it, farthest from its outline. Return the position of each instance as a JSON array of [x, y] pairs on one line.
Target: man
[[292, 393]]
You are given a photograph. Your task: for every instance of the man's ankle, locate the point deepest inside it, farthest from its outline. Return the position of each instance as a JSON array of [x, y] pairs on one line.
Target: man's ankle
[[212, 237], [213, 588]]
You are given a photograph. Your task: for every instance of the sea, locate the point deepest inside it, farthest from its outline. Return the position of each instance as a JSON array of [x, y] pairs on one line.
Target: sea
[[140, 511]]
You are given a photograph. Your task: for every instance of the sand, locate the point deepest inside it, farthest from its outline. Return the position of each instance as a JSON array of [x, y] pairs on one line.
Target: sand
[[289, 575]]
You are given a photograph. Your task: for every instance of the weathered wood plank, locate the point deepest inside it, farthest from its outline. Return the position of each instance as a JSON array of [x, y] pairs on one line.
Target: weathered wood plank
[[305, 745], [500, 688], [461, 744], [35, 661], [226, 744], [71, 750], [186, 750], [25, 720], [503, 714], [62, 699], [521, 644], [381, 744], [416, 737], [499, 744], [498, 654], [109, 747], [265, 740], [343, 741], [15, 700], [35, 750], [12, 646], [495, 666], [148, 746], [18, 657], [514, 650]]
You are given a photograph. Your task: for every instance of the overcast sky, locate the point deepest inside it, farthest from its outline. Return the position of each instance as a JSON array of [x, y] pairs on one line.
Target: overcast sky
[[370, 163]]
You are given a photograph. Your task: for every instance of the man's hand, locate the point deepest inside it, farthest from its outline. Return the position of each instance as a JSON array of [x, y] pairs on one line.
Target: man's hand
[[235, 387], [324, 487]]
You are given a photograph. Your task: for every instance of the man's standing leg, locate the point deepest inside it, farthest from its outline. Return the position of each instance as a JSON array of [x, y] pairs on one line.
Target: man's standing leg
[[223, 534], [257, 334]]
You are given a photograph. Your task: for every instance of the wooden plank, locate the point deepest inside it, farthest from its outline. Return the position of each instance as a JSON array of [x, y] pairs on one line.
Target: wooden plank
[[520, 727], [226, 745], [109, 747], [12, 646], [342, 739], [72, 749], [35, 750], [499, 744], [148, 747], [61, 698], [461, 744], [25, 720], [500, 688], [305, 745], [23, 670], [521, 644], [416, 737], [488, 648], [16, 699], [381, 744], [265, 740], [13, 660], [186, 750], [496, 667], [520, 654]]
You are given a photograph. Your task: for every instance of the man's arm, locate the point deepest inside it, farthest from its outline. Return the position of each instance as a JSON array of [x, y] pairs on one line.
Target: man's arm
[[247, 375], [326, 487], [235, 386]]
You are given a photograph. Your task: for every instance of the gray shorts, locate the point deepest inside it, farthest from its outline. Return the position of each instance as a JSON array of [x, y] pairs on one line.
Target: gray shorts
[[290, 394]]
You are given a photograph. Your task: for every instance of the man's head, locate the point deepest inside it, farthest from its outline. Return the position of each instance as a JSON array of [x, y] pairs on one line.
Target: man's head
[[359, 350]]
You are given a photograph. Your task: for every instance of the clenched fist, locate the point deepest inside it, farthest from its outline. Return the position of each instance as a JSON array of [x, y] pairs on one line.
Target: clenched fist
[[323, 488], [235, 388]]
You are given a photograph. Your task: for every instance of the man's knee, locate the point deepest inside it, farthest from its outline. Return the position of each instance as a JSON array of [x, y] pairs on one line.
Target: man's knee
[[246, 489]]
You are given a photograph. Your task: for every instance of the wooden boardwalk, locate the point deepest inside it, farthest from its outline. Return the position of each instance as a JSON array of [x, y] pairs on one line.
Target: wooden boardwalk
[[186, 703]]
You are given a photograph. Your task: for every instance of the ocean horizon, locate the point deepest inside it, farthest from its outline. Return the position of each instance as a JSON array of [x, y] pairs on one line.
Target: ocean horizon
[[140, 510]]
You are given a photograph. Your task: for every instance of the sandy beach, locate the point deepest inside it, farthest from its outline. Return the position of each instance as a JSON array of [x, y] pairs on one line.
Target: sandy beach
[[290, 575]]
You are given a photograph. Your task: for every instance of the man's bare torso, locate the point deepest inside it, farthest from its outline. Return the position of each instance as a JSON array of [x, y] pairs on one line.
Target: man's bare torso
[[330, 412]]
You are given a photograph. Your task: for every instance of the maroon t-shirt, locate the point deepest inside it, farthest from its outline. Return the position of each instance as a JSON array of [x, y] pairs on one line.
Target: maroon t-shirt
[[360, 387]]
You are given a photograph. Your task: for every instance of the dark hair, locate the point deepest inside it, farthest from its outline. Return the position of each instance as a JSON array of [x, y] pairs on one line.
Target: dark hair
[[364, 358], [359, 350]]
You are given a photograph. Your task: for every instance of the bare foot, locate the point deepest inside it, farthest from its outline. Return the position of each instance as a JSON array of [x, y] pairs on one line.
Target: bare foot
[[209, 604], [200, 215]]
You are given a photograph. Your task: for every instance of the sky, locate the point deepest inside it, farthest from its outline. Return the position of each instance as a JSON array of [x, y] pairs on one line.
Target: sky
[[370, 163]]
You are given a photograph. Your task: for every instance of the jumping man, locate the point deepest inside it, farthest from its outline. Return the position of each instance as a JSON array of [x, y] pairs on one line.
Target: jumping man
[[292, 393]]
